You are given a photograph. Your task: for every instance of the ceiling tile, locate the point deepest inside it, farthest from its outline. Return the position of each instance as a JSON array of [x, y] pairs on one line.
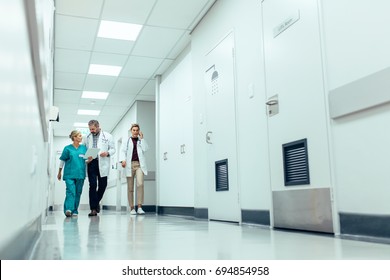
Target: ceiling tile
[[99, 103], [108, 123], [75, 33], [99, 83], [129, 85], [131, 11], [120, 100], [72, 60], [156, 41], [82, 118], [84, 8], [61, 132], [66, 96], [70, 109], [181, 44], [149, 89], [108, 59], [164, 66], [184, 13], [140, 67], [113, 111], [64, 80]]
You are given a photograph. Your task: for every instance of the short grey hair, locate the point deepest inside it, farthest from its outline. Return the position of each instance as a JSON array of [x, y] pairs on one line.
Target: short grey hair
[[93, 123]]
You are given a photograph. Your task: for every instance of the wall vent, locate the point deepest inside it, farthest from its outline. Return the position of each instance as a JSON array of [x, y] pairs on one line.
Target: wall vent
[[221, 175], [296, 163]]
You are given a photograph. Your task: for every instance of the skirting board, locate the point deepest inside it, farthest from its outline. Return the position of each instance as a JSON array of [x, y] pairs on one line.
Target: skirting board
[[21, 245], [258, 217], [363, 226]]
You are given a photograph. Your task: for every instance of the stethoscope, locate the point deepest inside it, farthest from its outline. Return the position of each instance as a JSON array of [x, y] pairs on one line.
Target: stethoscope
[[104, 139], [128, 140]]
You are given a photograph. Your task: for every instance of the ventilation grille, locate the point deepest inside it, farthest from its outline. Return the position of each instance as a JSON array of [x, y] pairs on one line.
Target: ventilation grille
[[221, 175], [296, 163]]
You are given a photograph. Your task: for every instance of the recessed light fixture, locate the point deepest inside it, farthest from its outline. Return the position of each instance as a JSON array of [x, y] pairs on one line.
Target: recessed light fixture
[[119, 30], [106, 70], [94, 94], [88, 112], [80, 124]]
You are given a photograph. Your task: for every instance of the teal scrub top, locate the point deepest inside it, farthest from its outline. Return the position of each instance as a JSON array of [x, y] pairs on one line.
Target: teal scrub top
[[74, 162]]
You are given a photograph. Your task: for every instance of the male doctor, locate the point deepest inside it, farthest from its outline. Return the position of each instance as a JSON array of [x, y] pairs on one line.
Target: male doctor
[[99, 167]]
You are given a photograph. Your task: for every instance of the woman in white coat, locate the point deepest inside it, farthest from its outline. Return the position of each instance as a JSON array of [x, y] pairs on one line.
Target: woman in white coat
[[134, 163]]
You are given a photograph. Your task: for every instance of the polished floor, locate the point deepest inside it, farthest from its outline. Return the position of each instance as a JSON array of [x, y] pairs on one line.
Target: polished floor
[[119, 236]]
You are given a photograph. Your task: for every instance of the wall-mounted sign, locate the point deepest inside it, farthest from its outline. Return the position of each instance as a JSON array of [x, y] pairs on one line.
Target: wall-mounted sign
[[286, 24]]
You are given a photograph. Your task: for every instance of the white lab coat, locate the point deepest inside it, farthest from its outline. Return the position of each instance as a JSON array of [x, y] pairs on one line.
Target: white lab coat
[[127, 153], [105, 144]]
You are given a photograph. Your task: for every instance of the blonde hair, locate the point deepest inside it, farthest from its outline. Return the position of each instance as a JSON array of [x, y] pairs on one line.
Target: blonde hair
[[73, 134]]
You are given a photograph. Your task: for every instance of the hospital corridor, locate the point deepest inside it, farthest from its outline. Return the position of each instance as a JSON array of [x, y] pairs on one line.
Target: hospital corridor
[[213, 130]]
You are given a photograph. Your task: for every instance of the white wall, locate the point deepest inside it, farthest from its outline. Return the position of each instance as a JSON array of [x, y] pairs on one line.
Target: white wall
[[176, 173], [357, 45], [354, 46], [24, 172]]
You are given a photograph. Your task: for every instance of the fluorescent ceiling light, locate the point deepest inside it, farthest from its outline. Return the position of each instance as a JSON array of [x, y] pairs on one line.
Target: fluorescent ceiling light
[[107, 70], [88, 112], [80, 125], [119, 30], [94, 94]]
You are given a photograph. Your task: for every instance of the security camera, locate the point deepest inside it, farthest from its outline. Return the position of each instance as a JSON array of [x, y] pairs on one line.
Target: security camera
[[54, 114]]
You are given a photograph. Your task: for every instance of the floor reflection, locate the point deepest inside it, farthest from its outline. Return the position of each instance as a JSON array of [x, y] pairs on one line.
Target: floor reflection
[[118, 236], [71, 235]]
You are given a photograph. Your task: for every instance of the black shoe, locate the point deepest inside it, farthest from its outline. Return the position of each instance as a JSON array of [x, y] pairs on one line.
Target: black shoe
[[93, 213]]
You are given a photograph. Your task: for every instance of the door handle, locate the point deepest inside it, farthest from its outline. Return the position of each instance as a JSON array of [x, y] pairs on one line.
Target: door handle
[[208, 137], [273, 105], [272, 102]]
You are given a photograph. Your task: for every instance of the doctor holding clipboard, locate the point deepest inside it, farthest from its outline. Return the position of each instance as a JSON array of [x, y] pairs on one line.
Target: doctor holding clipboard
[[98, 168]]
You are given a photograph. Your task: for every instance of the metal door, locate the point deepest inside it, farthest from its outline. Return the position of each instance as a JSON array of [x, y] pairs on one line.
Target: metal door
[[221, 132], [295, 95]]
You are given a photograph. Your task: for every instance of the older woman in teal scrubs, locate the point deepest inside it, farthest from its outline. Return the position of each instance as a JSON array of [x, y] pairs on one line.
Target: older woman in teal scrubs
[[74, 172]]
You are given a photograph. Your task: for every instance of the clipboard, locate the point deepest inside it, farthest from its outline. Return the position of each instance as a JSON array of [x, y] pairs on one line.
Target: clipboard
[[92, 152]]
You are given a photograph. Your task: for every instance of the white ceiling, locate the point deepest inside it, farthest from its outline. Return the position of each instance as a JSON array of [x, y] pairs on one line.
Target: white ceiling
[[167, 26]]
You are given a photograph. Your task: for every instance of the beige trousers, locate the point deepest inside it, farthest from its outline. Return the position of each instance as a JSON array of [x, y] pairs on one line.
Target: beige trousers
[[136, 171]]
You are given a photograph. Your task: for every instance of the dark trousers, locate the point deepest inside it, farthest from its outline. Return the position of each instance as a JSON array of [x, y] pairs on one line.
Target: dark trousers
[[97, 184]]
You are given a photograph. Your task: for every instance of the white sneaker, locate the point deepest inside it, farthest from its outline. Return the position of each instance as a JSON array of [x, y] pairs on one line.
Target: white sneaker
[[132, 212], [140, 211]]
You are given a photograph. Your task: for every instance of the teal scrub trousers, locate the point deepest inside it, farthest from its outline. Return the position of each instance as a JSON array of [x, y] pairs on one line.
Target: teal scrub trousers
[[74, 188]]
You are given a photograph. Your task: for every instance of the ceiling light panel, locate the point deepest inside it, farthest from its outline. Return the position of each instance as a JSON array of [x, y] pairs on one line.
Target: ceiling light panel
[[106, 70], [119, 30], [95, 94]]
